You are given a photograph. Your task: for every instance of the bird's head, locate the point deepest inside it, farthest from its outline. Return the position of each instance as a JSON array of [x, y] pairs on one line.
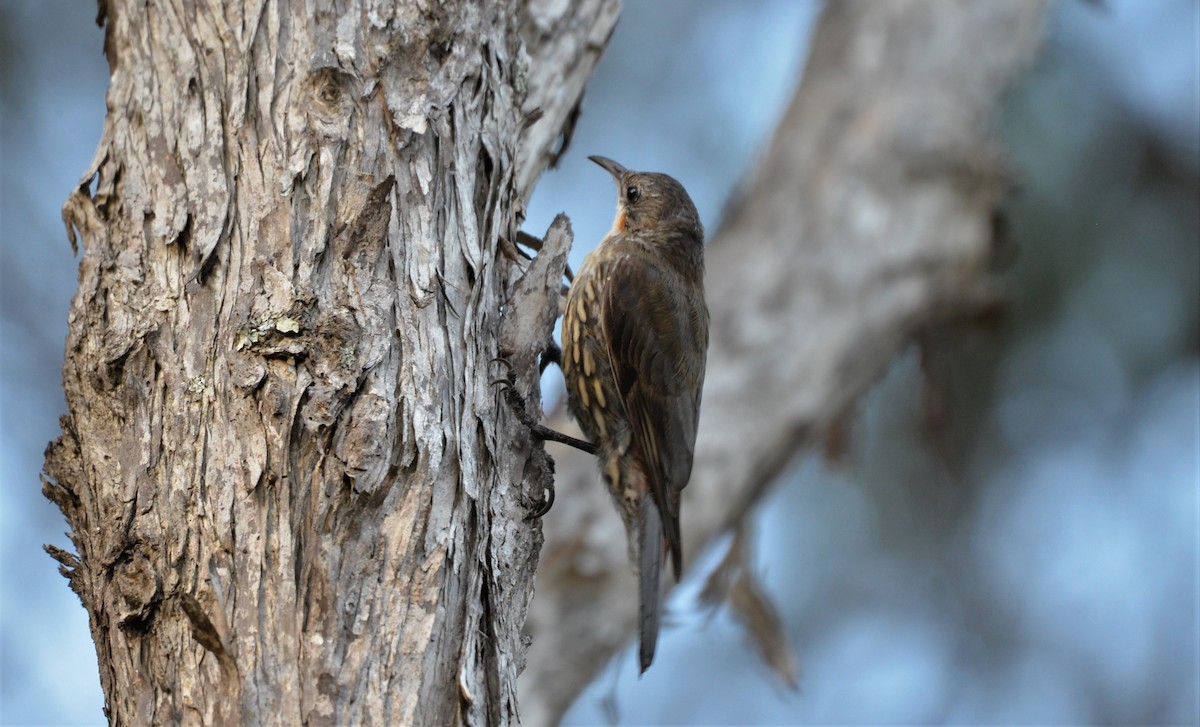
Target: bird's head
[[652, 203]]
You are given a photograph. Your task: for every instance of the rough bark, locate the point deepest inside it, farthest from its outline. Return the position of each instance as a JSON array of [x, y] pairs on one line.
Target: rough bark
[[869, 218], [292, 494]]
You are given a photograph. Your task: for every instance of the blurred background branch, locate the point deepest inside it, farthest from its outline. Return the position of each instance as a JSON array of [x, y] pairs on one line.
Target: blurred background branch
[[869, 217]]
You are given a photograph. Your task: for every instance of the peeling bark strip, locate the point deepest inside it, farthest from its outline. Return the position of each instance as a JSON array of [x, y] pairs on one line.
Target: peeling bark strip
[[292, 495]]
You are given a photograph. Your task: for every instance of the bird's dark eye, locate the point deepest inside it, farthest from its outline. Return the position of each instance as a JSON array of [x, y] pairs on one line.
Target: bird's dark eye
[[632, 193]]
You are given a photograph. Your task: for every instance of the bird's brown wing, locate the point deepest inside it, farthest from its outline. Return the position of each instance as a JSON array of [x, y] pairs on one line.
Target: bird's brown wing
[[656, 337]]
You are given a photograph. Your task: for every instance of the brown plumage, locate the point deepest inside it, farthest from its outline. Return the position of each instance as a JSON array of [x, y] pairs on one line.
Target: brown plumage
[[635, 335]]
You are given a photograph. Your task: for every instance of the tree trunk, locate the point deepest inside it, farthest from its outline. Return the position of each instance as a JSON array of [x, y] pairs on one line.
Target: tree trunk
[[870, 218], [293, 496]]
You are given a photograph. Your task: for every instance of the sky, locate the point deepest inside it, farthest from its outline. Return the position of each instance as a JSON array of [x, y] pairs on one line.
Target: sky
[[1034, 564], [54, 76]]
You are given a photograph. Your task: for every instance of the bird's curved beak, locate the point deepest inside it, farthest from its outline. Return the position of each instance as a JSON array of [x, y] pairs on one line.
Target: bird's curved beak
[[610, 166]]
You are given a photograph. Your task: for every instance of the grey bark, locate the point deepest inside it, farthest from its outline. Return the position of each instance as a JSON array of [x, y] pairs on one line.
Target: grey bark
[[292, 494], [869, 219]]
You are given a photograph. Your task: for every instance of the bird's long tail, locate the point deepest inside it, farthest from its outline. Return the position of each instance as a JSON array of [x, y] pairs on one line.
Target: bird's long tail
[[650, 547]]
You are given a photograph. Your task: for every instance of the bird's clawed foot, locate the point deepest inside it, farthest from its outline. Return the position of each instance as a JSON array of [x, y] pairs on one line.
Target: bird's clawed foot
[[516, 402], [543, 507]]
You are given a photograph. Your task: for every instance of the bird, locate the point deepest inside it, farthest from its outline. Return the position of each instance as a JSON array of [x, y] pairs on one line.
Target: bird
[[634, 344]]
